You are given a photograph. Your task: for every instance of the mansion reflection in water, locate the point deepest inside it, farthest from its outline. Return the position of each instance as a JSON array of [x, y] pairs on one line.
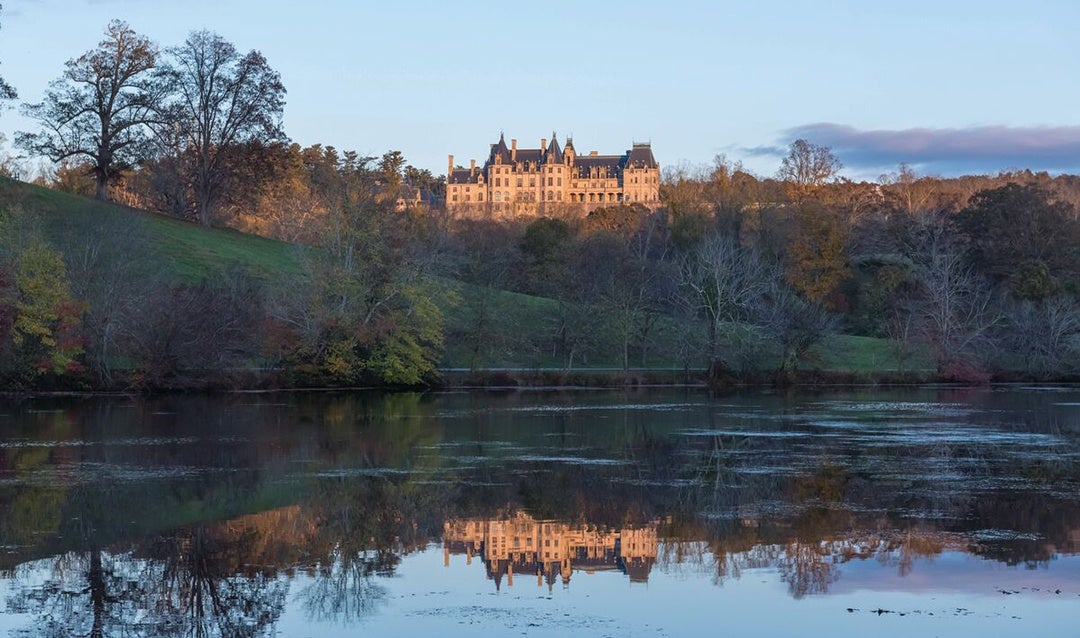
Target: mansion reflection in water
[[549, 550]]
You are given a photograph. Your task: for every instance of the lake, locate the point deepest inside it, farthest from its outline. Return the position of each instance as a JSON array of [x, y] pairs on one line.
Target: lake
[[929, 511]]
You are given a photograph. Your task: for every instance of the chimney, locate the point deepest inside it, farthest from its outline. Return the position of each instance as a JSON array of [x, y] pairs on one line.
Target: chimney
[[543, 144], [593, 153], [450, 166], [472, 167], [513, 150]]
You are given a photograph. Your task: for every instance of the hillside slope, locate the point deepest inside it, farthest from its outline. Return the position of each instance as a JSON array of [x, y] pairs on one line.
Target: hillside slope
[[184, 251], [513, 335]]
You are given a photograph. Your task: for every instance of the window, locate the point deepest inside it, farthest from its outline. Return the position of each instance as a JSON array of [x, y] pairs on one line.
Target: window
[[560, 196], [532, 181], [519, 182], [550, 181], [560, 181]]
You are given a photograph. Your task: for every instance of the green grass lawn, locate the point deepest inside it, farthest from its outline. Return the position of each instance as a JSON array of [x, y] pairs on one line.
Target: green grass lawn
[[849, 353], [183, 251]]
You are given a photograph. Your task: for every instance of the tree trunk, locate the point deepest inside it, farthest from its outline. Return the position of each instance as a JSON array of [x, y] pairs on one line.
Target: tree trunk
[[96, 577], [101, 190]]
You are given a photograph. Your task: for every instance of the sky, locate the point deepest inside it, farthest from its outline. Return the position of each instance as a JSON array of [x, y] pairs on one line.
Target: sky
[[948, 87]]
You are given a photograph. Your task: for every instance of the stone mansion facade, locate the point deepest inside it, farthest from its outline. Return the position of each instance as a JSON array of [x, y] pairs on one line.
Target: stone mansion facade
[[551, 179]]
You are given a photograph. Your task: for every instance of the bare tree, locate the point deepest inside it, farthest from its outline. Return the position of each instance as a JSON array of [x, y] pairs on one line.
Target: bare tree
[[913, 195], [726, 282], [793, 324], [956, 310], [222, 99], [808, 166], [1044, 336], [899, 328], [99, 109]]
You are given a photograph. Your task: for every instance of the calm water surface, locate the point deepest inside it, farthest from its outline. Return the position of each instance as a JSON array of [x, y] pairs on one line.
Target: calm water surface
[[654, 513]]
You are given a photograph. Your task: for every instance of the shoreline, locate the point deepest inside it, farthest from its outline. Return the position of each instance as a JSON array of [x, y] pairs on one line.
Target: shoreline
[[545, 379]]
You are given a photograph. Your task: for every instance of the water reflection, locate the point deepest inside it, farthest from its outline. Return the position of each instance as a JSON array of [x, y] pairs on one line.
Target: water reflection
[[550, 550], [229, 516]]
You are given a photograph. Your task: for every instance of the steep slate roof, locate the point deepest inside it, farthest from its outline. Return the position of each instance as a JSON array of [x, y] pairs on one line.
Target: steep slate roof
[[533, 155], [499, 150], [554, 154], [584, 163], [641, 157], [463, 176]]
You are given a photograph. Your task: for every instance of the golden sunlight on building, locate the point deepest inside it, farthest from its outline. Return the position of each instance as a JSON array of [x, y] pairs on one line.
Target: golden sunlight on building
[[551, 180], [549, 550]]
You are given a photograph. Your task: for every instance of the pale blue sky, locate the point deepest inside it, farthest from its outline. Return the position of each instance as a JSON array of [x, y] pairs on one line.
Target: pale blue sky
[[949, 87]]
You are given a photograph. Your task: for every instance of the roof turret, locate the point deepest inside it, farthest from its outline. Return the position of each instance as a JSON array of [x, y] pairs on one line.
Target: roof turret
[[500, 151], [554, 154]]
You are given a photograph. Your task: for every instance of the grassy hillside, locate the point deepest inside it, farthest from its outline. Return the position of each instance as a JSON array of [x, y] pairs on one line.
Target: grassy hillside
[[183, 251], [517, 326]]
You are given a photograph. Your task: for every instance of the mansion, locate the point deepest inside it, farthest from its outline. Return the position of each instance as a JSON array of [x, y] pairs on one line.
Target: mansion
[[533, 181]]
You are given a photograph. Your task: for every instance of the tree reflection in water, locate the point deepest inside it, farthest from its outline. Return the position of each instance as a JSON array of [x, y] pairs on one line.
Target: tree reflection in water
[[345, 589], [195, 582], [209, 585]]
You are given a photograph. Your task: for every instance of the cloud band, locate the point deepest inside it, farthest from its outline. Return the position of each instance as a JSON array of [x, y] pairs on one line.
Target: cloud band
[[946, 151]]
